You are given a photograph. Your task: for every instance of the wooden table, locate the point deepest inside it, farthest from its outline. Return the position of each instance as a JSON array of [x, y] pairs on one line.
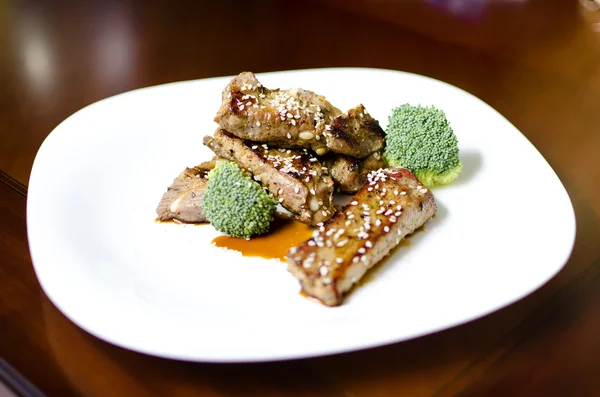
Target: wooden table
[[537, 62]]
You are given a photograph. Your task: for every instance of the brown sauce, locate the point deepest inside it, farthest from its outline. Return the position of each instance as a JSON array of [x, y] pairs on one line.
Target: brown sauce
[[178, 222], [284, 235]]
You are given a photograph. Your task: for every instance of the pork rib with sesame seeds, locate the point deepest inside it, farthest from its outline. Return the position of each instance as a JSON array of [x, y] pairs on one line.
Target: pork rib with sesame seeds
[[349, 173], [295, 118], [389, 206], [294, 177], [183, 199]]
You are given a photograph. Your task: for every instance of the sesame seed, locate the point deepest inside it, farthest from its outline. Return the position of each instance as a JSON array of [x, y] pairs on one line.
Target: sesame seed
[[362, 250], [368, 244], [402, 193], [296, 189], [280, 200], [378, 222], [355, 259], [386, 229], [313, 192], [258, 123], [354, 202], [323, 271], [398, 213], [338, 260], [289, 136]]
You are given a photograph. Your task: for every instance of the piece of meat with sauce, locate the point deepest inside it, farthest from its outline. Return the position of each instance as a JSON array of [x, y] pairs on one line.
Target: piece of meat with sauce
[[349, 173], [389, 206], [295, 177], [295, 118], [183, 199]]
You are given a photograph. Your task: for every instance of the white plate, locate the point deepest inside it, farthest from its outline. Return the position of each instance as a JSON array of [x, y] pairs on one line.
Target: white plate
[[503, 228]]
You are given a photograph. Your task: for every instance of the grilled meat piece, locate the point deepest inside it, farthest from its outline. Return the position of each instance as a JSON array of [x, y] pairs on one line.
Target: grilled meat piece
[[390, 205], [183, 199], [356, 134], [349, 173], [295, 118], [294, 177]]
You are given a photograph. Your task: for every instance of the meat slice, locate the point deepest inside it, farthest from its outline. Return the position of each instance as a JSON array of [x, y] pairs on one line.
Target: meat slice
[[355, 134], [294, 177], [391, 205], [295, 118], [349, 173], [183, 199]]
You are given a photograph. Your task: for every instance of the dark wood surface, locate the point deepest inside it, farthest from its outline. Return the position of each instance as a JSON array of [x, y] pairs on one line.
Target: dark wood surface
[[537, 62]]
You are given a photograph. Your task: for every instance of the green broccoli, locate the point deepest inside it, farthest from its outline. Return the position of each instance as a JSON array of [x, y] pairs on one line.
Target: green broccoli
[[236, 205], [420, 138]]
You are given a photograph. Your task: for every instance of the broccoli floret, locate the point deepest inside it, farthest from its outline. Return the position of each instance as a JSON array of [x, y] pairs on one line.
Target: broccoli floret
[[236, 205], [420, 138]]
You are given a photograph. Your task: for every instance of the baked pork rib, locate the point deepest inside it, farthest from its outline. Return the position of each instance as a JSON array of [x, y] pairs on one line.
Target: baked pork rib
[[390, 205], [183, 199], [294, 177], [295, 118]]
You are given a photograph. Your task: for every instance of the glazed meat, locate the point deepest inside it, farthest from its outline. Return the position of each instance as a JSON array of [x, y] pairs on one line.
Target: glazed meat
[[355, 134], [183, 199], [391, 205], [349, 173], [294, 177], [295, 118]]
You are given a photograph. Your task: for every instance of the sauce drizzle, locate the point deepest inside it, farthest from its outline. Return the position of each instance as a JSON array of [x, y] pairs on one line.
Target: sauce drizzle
[[284, 235]]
